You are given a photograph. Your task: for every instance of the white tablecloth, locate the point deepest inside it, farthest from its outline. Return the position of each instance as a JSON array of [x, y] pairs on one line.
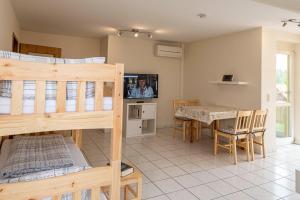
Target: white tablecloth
[[206, 113]]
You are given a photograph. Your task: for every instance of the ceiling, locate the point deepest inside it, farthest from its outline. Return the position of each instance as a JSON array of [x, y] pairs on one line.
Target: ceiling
[[292, 5], [173, 20]]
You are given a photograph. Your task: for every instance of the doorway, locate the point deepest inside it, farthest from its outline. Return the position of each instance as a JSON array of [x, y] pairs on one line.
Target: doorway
[[284, 98]]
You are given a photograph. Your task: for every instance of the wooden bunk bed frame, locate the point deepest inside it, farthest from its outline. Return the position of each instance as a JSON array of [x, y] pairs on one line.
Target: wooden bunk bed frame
[[18, 123]]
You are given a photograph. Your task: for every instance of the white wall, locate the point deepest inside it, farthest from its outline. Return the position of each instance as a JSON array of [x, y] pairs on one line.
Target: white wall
[[9, 25], [138, 57], [208, 60], [72, 47]]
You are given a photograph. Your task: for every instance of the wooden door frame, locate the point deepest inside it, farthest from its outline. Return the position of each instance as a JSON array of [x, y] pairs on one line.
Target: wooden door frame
[[15, 43], [31, 48]]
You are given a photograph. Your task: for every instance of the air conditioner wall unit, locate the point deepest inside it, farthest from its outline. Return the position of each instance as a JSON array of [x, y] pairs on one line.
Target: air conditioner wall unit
[[168, 51]]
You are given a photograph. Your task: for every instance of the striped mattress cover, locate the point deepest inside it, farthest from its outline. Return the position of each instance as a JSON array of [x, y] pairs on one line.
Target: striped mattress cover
[[80, 164], [29, 86]]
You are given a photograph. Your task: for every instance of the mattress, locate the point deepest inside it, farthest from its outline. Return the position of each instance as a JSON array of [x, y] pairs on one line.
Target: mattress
[[50, 105], [79, 163], [29, 86]]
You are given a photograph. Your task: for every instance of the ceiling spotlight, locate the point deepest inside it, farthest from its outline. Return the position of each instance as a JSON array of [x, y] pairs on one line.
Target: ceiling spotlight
[[134, 32], [284, 24]]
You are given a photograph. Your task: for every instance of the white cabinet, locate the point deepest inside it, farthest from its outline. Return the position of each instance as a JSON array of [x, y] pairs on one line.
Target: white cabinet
[[134, 128], [149, 111], [139, 119]]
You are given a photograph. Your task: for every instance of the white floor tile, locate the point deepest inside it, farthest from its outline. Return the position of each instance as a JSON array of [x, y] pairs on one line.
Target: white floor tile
[[254, 178], [187, 181], [260, 194], [292, 197], [268, 175], [222, 187], [150, 190], [203, 192], [238, 182], [156, 175], [276, 189], [221, 173], [287, 183], [168, 185], [182, 194], [204, 177], [236, 169], [174, 171], [162, 163], [162, 197], [190, 168], [195, 171], [238, 196]]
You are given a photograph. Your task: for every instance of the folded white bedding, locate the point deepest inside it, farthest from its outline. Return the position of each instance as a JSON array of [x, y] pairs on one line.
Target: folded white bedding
[[28, 105]]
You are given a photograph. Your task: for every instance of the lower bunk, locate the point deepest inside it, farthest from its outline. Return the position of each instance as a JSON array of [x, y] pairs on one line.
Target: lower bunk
[[49, 167]]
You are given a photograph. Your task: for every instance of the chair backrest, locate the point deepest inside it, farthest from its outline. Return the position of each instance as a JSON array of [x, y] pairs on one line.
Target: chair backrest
[[259, 121], [184, 102], [243, 121]]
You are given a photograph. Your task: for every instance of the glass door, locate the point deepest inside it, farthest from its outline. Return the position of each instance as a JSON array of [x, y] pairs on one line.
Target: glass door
[[284, 97]]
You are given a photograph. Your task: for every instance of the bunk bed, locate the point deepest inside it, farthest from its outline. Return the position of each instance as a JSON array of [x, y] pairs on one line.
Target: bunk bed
[[28, 106]]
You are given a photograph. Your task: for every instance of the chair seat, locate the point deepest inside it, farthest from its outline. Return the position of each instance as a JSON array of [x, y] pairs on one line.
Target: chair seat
[[258, 131], [183, 118], [231, 131]]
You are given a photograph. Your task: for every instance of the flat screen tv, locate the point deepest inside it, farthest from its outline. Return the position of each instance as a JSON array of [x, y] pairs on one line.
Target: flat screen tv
[[140, 86]]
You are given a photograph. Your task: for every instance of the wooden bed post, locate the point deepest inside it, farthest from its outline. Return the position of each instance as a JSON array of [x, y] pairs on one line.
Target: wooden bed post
[[116, 137]]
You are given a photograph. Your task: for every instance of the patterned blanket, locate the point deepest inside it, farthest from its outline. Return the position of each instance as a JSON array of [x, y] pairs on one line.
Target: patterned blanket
[[29, 154]]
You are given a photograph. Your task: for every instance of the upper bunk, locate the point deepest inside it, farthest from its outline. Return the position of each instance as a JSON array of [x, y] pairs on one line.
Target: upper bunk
[[72, 79]]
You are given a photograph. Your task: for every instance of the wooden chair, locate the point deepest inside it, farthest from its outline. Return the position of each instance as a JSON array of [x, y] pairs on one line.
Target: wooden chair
[[185, 125], [257, 130], [240, 131]]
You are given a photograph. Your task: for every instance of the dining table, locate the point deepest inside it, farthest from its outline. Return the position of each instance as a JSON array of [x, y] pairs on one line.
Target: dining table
[[208, 114]]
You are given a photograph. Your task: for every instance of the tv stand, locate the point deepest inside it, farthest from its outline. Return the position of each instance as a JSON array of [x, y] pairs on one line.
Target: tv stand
[[139, 119]]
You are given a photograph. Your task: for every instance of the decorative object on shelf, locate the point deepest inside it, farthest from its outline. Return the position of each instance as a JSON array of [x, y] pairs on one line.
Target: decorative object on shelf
[[134, 32], [294, 21], [227, 77]]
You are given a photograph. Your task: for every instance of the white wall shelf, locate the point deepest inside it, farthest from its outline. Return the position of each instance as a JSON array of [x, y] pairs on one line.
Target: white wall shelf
[[229, 82]]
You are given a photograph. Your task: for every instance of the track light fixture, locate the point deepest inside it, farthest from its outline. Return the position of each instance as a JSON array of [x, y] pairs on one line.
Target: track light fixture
[[295, 21], [135, 33]]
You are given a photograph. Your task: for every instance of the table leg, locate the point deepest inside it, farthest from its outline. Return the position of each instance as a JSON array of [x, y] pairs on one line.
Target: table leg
[[139, 189], [126, 194]]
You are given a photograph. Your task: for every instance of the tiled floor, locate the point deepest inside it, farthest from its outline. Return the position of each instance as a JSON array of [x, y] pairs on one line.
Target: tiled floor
[[174, 170]]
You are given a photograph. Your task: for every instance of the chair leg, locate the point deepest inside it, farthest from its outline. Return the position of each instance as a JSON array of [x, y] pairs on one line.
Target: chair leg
[[252, 147], [216, 143], [230, 145], [234, 149], [263, 146], [200, 130], [191, 133], [197, 130], [247, 148], [184, 131]]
